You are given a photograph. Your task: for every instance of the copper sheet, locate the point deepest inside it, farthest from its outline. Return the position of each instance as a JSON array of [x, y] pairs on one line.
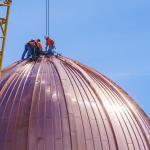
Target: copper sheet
[[60, 104]]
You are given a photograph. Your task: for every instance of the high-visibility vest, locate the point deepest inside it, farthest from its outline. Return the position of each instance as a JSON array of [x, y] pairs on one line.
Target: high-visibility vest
[[49, 42], [39, 45]]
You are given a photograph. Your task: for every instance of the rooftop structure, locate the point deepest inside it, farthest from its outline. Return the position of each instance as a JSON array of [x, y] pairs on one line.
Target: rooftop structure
[[59, 104]]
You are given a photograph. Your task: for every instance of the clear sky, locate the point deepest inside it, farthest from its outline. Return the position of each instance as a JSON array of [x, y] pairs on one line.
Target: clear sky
[[112, 36]]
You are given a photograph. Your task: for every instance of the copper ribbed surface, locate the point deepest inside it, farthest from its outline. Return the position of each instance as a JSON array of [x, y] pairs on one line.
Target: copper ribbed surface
[[60, 104]]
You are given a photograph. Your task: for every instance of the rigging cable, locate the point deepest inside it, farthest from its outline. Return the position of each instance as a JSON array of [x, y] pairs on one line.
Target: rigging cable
[[47, 17]]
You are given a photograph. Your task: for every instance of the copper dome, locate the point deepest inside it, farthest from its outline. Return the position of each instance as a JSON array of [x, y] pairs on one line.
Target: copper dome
[[60, 104]]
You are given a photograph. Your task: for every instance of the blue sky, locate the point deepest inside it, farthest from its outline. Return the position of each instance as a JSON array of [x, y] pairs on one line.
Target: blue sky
[[112, 36]]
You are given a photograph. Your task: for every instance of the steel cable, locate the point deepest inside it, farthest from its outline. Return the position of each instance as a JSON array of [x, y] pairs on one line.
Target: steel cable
[[47, 17]]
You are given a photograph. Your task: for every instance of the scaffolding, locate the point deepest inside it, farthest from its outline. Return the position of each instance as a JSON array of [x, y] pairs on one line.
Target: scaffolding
[[4, 16]]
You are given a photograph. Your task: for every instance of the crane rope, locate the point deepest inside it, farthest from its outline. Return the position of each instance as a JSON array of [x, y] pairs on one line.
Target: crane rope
[[47, 17]]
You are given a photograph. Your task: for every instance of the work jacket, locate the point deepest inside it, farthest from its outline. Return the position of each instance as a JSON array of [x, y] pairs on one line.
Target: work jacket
[[49, 42]]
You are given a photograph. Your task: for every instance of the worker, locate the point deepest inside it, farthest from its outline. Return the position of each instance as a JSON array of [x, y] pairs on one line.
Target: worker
[[27, 50], [36, 49], [39, 46], [50, 45], [33, 49]]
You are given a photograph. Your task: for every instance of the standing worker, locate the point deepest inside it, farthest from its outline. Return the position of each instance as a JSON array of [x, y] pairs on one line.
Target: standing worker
[[50, 45]]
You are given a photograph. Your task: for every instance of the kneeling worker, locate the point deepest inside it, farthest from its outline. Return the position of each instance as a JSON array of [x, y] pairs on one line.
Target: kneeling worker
[[39, 46], [37, 49], [50, 45]]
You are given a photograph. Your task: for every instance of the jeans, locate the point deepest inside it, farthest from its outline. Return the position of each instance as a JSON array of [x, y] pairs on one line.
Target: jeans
[[50, 50], [27, 51]]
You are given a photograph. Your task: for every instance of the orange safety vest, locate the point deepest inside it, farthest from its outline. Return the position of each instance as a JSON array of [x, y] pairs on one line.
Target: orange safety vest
[[49, 42], [39, 45]]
